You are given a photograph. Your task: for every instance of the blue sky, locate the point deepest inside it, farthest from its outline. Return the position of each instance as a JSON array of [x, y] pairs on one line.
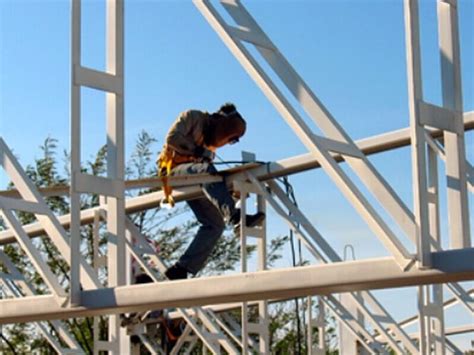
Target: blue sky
[[351, 53]]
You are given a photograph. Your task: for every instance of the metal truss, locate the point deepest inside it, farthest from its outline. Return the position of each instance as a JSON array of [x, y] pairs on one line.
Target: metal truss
[[185, 190], [334, 139], [112, 83], [313, 240], [278, 192], [202, 322], [18, 287], [428, 123], [422, 227], [377, 273], [260, 326]]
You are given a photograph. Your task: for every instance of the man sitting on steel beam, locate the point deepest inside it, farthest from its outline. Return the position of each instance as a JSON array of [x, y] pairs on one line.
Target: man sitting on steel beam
[[190, 148]]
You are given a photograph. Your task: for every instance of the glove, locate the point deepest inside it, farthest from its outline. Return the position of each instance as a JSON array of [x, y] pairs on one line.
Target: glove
[[199, 151], [203, 153]]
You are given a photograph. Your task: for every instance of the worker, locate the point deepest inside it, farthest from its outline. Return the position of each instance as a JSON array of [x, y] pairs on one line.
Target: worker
[[189, 148]]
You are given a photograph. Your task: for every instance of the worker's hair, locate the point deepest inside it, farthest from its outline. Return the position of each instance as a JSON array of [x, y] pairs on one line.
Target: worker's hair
[[227, 123], [227, 109]]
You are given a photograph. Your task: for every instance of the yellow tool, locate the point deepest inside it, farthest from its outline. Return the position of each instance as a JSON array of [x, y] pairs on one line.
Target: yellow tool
[[164, 170]]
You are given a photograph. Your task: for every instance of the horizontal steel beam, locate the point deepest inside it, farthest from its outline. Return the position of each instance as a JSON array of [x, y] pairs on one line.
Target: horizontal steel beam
[[461, 329], [371, 145], [453, 265]]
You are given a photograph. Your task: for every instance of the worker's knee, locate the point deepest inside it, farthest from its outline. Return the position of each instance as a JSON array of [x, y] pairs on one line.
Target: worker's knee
[[211, 169], [218, 227]]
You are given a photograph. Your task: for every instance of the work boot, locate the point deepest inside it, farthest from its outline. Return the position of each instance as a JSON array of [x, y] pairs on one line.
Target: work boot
[[176, 272], [251, 220]]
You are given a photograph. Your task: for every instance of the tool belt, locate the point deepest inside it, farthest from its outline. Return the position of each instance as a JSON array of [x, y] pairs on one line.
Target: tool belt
[[167, 160]]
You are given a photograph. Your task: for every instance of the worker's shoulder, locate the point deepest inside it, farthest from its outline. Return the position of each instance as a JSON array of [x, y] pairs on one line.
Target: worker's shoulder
[[193, 114]]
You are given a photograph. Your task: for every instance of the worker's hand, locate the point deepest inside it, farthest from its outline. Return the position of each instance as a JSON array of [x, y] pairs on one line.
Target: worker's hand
[[198, 151], [208, 155], [203, 153]]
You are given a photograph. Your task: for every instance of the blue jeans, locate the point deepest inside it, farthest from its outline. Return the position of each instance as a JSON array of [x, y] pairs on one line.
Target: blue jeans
[[212, 211]]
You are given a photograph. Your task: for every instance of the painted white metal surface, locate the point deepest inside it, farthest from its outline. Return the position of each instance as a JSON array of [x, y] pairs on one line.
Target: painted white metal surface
[[140, 248], [112, 82], [328, 125], [283, 167], [366, 274], [458, 212], [421, 226], [18, 283]]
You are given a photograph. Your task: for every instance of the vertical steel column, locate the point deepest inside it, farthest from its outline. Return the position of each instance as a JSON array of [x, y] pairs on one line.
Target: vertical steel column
[[437, 318], [454, 141], [110, 82], [117, 269], [415, 97], [348, 343], [320, 323], [75, 169], [431, 311], [261, 326], [264, 346], [98, 262], [243, 262]]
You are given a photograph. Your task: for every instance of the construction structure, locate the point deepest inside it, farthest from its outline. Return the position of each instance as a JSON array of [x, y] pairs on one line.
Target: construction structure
[[436, 133]]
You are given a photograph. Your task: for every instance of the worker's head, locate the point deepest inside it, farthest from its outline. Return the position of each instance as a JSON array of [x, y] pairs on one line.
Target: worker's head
[[226, 126]]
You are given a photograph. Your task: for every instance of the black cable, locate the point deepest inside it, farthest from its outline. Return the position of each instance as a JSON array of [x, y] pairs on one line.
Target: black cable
[[242, 162], [10, 345], [290, 194]]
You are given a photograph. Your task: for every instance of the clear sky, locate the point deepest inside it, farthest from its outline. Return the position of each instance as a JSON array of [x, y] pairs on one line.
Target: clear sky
[[350, 52]]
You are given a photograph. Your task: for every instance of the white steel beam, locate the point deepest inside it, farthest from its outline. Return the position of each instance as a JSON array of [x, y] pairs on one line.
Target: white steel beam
[[48, 221], [86, 183], [75, 162], [415, 94], [458, 213], [17, 204], [321, 116], [34, 256], [97, 80], [246, 35], [452, 265], [118, 269], [140, 248], [370, 145], [447, 304], [376, 312], [439, 117], [21, 284]]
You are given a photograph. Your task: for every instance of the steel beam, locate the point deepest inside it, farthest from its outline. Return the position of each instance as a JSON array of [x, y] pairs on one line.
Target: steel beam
[[458, 211], [380, 273], [284, 167], [370, 145]]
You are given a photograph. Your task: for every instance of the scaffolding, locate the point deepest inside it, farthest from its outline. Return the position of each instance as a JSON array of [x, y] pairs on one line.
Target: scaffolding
[[435, 133]]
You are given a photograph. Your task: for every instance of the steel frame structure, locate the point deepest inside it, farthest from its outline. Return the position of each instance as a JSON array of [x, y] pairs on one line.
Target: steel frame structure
[[430, 264]]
